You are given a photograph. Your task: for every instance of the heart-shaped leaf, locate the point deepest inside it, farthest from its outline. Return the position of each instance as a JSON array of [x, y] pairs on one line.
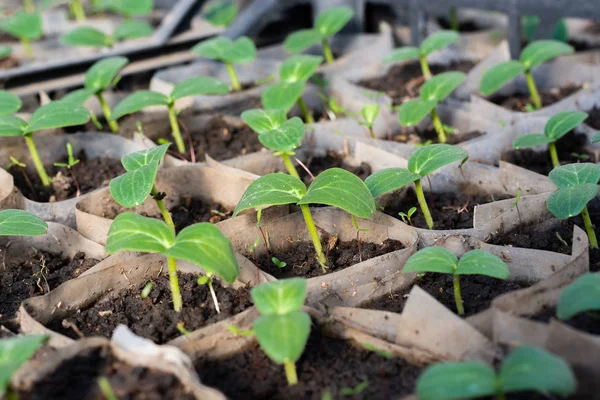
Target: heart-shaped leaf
[[224, 49], [402, 54], [132, 188], [389, 179], [479, 262], [86, 36], [282, 95], [197, 86], [102, 74], [283, 337], [142, 158], [262, 121], [137, 101], [432, 259], [434, 156], [499, 76], [21, 223], [279, 297], [78, 97], [132, 29], [23, 25], [437, 41], [543, 50], [12, 126], [242, 51], [531, 140], [575, 174], [569, 201], [14, 352], [301, 40], [220, 13], [285, 138], [340, 188], [331, 21], [9, 103], [271, 189], [370, 112], [132, 232], [57, 114], [457, 380], [413, 111], [441, 85], [580, 296], [560, 124], [299, 68]]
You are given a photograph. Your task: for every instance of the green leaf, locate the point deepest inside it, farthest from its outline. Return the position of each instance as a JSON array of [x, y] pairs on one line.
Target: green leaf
[[581, 295], [141, 158], [370, 112], [299, 68], [21, 223], [132, 188], [340, 188], [331, 21], [5, 51], [220, 13], [131, 8], [23, 25], [441, 85], [531, 140], [221, 48], [569, 201], [279, 297], [14, 352], [285, 138], [133, 29], [560, 124], [437, 41], [456, 380], [204, 244], [402, 54], [543, 50], [86, 36], [9, 103], [12, 126], [499, 76], [198, 85], [130, 231], [102, 74], [78, 97], [434, 156], [413, 111], [534, 369], [479, 262], [575, 174], [57, 114], [282, 95], [432, 259], [242, 51], [389, 179], [596, 138], [137, 101], [283, 337], [301, 40], [271, 189], [262, 121]]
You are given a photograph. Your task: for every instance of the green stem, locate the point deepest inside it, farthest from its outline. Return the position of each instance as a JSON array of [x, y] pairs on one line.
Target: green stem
[[235, 83], [327, 51], [535, 95], [26, 47], [589, 228], [28, 5], [439, 128], [371, 132], [290, 373], [308, 118], [77, 10], [425, 68], [37, 161], [457, 296], [114, 127], [289, 166], [454, 25], [175, 129], [163, 209], [553, 154], [423, 204]]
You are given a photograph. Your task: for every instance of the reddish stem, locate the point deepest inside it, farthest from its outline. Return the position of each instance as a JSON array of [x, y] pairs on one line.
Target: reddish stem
[[304, 167]]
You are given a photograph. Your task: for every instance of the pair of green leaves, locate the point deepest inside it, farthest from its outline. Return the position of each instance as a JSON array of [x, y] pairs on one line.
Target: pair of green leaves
[[240, 51], [369, 113], [532, 55], [99, 77], [92, 37], [328, 23], [577, 185], [432, 93], [14, 352], [434, 42], [293, 75], [275, 131], [21, 223], [421, 163], [282, 329], [524, 369], [556, 127], [23, 25], [580, 296], [220, 12], [9, 103]]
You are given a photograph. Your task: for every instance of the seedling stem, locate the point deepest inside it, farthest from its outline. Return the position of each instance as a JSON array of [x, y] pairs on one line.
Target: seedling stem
[[37, 162], [457, 297], [235, 83], [589, 228], [423, 204], [175, 128], [553, 154], [535, 95], [26, 47], [308, 118], [425, 68], [114, 127], [28, 5], [439, 127], [213, 294], [77, 10], [290, 373], [327, 51]]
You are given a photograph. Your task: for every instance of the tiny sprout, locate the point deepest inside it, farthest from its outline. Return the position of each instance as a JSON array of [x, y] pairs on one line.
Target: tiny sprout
[[369, 113], [220, 12], [238, 332], [14, 352], [582, 295], [71, 162], [279, 264], [580, 156], [374, 349], [203, 280], [532, 55], [15, 162], [146, 290], [563, 241], [406, 216], [354, 391], [219, 213], [516, 203], [26, 26], [106, 388], [92, 37], [181, 328]]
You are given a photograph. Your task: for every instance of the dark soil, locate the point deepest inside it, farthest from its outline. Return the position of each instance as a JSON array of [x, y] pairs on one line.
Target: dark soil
[[22, 274], [463, 26], [77, 378], [414, 135], [404, 81], [301, 261], [192, 211], [587, 321], [91, 174], [154, 317], [593, 118], [518, 102], [326, 365], [316, 165], [8, 62], [570, 149]]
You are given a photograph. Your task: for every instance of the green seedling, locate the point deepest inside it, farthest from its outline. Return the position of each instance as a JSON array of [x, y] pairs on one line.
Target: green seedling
[[195, 86], [240, 51], [57, 114], [556, 127], [21, 223], [421, 163], [25, 27], [71, 162], [9, 103], [369, 113], [92, 37], [238, 332], [334, 187], [358, 232], [526, 368], [146, 290], [433, 43], [282, 329], [433, 92], [14, 352], [293, 76], [220, 12], [5, 51], [106, 388], [579, 156], [279, 264], [453, 15], [406, 216], [356, 390], [532, 55], [577, 185], [583, 295], [474, 262]]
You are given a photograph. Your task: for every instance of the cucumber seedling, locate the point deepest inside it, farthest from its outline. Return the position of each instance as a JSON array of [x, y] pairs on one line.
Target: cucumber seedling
[[195, 86], [474, 262], [294, 73], [577, 185], [532, 55], [71, 162], [9, 103], [282, 329], [230, 52], [421, 163], [556, 127], [14, 352], [57, 114], [406, 216], [333, 187], [202, 244], [525, 369], [25, 27], [583, 295], [327, 24], [21, 223], [220, 12], [434, 42], [369, 113], [433, 92], [92, 37]]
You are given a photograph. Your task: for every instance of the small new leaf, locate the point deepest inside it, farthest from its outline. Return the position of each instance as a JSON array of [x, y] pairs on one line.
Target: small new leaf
[[102, 74], [279, 297]]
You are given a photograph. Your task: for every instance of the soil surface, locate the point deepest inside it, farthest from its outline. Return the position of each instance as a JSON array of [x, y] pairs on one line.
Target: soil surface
[[587, 321], [316, 165], [76, 379], [192, 211], [414, 135], [403, 82], [23, 276], [593, 118], [154, 317], [326, 365], [301, 261], [519, 102], [91, 174], [8, 62]]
